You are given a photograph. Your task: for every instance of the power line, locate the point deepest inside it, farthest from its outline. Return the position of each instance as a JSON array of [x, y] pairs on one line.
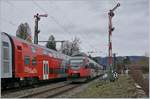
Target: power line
[[8, 2], [10, 22], [65, 16], [91, 45], [56, 21]]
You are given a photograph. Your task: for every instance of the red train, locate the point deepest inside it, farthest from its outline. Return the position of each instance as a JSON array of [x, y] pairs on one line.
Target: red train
[[82, 68], [23, 62]]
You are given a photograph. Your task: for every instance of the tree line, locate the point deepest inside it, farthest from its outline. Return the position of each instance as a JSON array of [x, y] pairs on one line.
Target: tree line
[[68, 47]]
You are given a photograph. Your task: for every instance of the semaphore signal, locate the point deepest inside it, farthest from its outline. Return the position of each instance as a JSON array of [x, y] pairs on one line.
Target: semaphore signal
[[111, 28]]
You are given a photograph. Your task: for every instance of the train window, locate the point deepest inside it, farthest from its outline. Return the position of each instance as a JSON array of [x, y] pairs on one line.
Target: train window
[[6, 65], [5, 53], [50, 54], [51, 70], [6, 60], [27, 60], [76, 62], [63, 64], [33, 61], [46, 71], [45, 52], [5, 44], [33, 49], [57, 55], [91, 65], [59, 70], [54, 55]]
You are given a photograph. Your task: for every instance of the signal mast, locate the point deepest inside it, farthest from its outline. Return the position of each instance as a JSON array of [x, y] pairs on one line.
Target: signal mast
[[37, 31], [111, 28]]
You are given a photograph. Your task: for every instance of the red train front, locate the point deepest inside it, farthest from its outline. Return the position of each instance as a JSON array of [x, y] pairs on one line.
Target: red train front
[[83, 68]]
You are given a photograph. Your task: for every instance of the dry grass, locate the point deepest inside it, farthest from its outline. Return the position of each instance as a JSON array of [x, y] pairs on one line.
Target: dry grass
[[122, 88]]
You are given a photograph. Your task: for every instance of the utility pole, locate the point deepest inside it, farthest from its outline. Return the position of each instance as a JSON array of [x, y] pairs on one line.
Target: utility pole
[[55, 41], [114, 62], [37, 31], [111, 28]]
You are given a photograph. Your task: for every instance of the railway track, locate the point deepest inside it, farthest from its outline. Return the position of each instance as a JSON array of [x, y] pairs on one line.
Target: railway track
[[47, 91], [29, 92], [52, 92], [15, 89], [62, 91]]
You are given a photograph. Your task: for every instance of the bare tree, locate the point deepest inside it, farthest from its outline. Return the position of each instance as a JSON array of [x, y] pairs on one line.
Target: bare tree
[[24, 32], [66, 48], [75, 49], [71, 48], [51, 44]]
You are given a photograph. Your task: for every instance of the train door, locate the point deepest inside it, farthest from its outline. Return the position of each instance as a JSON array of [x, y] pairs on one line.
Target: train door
[[45, 70]]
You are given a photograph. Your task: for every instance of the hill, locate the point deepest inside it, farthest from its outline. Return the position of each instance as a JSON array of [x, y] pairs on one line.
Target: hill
[[104, 60]]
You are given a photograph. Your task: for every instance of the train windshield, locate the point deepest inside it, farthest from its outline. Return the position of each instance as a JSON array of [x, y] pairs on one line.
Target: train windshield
[[75, 64]]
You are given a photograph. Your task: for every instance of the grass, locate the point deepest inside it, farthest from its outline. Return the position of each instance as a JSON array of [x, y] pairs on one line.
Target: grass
[[121, 88]]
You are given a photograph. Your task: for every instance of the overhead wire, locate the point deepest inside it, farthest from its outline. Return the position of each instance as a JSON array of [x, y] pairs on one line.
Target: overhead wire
[[56, 21], [68, 20], [8, 2], [53, 18], [60, 25], [4, 19], [63, 15], [9, 22]]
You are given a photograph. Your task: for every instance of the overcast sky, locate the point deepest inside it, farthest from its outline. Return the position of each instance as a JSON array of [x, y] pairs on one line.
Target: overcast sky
[[85, 19]]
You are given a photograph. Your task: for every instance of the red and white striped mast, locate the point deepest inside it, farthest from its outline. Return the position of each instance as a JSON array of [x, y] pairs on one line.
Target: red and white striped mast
[[111, 28]]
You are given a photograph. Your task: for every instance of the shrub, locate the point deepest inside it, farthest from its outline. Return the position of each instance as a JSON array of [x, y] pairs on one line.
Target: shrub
[[145, 69], [137, 75]]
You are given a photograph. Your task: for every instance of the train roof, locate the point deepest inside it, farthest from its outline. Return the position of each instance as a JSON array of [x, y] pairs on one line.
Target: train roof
[[57, 54], [90, 60], [77, 57]]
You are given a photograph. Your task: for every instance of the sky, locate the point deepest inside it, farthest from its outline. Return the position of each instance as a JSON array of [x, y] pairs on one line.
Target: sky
[[84, 19]]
